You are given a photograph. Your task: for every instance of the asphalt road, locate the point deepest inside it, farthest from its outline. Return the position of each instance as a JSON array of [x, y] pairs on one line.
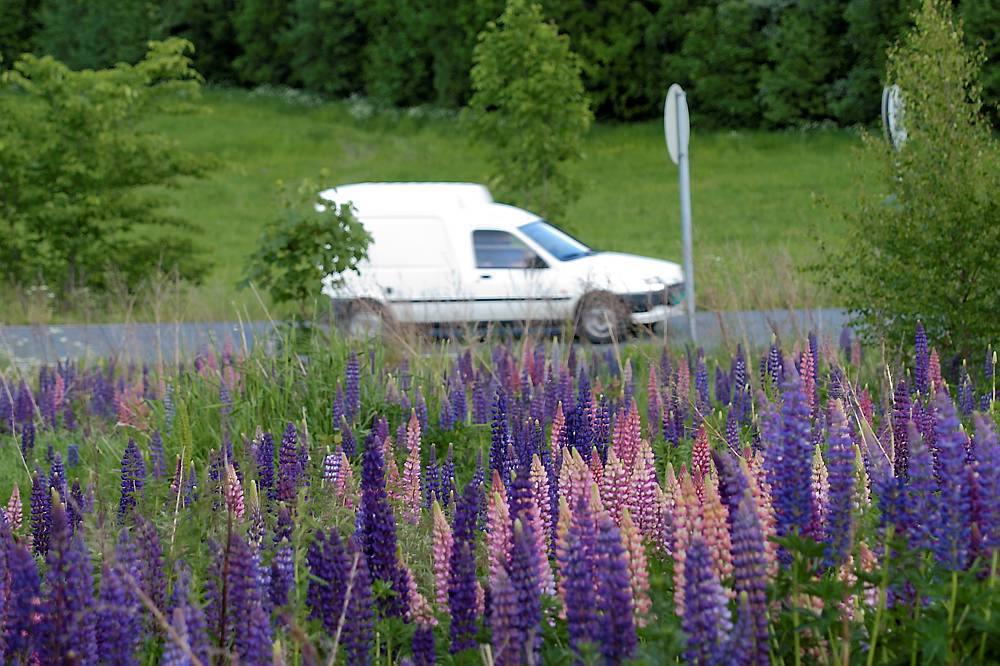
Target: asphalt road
[[31, 345]]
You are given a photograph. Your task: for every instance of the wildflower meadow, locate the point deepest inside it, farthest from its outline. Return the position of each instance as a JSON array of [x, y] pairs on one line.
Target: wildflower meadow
[[502, 502]]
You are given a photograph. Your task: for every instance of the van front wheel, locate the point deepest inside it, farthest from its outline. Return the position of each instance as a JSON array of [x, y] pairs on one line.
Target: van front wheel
[[601, 318], [366, 319]]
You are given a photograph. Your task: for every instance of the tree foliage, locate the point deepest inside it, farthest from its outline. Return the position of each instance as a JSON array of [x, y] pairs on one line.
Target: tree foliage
[[924, 242], [529, 105], [94, 34], [77, 169], [309, 240], [323, 39]]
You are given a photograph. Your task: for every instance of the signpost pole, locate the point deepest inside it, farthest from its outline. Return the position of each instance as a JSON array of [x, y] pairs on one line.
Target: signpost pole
[[685, 190]]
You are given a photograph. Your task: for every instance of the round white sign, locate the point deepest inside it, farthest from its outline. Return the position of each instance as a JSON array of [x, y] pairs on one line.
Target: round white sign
[[676, 124]]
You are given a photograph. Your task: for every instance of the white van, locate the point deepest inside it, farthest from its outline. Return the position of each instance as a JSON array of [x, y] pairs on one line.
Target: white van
[[447, 253]]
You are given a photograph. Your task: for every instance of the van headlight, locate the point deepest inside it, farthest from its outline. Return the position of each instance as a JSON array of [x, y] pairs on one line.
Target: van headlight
[[675, 294]]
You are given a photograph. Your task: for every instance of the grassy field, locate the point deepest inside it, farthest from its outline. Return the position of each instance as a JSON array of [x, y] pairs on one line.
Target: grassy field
[[754, 194]]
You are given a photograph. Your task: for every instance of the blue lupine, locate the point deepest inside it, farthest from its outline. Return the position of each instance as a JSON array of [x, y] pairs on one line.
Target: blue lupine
[[706, 618], [288, 465], [133, 477], [352, 388], [921, 376], [578, 577], [986, 456], [359, 620], [282, 573], [723, 391], [750, 576], [21, 630], [41, 510], [328, 569], [265, 465], [953, 528], [462, 576], [378, 533], [840, 467], [921, 493], [27, 438], [617, 639], [500, 435]]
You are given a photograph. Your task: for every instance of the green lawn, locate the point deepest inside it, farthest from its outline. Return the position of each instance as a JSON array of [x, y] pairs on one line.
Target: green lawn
[[755, 215]]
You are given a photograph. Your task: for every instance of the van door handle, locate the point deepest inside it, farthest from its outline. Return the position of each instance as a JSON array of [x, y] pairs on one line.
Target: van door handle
[[485, 276]]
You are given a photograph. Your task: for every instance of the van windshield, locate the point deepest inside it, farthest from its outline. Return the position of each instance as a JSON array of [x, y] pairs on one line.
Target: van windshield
[[556, 242]]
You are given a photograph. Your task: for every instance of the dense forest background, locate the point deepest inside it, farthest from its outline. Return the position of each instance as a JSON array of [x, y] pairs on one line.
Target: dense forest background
[[745, 63]]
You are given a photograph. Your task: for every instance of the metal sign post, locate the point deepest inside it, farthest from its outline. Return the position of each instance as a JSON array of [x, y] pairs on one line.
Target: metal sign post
[[677, 128], [892, 116]]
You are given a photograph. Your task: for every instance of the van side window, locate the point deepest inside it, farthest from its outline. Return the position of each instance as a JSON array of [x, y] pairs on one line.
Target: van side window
[[499, 249]]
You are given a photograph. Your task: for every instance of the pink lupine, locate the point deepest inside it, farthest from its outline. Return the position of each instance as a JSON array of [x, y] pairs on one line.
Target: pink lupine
[[498, 534], [417, 607], [701, 453], [393, 480], [130, 407], [761, 492], [442, 541], [934, 372], [808, 373], [58, 391], [411, 490], [558, 435], [540, 492], [637, 568], [497, 485], [644, 493], [614, 487], [531, 514], [715, 528], [15, 510], [820, 490], [867, 408], [670, 499], [627, 434], [596, 467], [683, 385], [345, 481], [856, 353], [655, 403], [234, 493], [562, 548], [687, 521]]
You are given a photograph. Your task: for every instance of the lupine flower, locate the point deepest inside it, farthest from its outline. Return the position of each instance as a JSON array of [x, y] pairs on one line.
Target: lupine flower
[[627, 436], [265, 464], [462, 583], [789, 463], [750, 575], [41, 508], [411, 495], [715, 529], [687, 521], [442, 542], [986, 456], [352, 385], [133, 476], [934, 372], [288, 465], [820, 491], [617, 637], [954, 529], [118, 618], [234, 493], [637, 568], [14, 512], [524, 567], [500, 436], [644, 493], [329, 569], [614, 487], [540, 491], [57, 475], [498, 533], [578, 578], [347, 439], [841, 480], [378, 529], [504, 611], [920, 492], [422, 645], [67, 627], [150, 553], [900, 416], [706, 619], [25, 608], [27, 439], [701, 453]]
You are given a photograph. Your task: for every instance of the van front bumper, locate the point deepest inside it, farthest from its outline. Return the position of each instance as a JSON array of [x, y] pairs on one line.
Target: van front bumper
[[656, 314]]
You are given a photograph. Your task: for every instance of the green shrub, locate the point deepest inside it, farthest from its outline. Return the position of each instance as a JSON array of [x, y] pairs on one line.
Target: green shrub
[[529, 104], [924, 241], [77, 171], [94, 34], [310, 239], [263, 57], [325, 41]]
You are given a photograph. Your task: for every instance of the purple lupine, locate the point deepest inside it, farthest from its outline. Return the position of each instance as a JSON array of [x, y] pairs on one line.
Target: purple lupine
[[788, 460], [723, 391], [27, 439], [347, 439], [57, 476], [41, 513], [69, 420], [119, 618], [288, 465], [67, 631], [378, 529], [750, 574], [966, 393], [499, 431], [352, 388], [840, 468], [282, 573], [133, 477], [359, 618], [73, 454], [188, 620], [150, 554], [256, 646], [706, 620], [775, 364], [265, 465], [480, 401], [920, 493], [432, 479], [462, 570], [445, 415], [732, 482], [75, 506], [422, 645], [338, 410], [701, 383], [900, 416], [504, 620], [581, 615], [617, 639], [420, 407], [157, 460], [24, 607], [732, 430], [921, 376], [986, 457], [459, 405], [446, 482], [953, 529], [328, 569], [524, 566]]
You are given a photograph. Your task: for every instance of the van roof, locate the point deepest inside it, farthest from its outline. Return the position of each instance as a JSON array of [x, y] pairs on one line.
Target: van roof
[[394, 198]]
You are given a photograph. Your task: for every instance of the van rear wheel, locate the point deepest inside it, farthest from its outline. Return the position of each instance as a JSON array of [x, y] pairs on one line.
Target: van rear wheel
[[366, 319], [601, 318]]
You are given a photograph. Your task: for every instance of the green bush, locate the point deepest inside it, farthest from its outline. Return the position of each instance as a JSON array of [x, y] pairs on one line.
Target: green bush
[[924, 241], [77, 171], [19, 23], [263, 57], [325, 40], [208, 24], [981, 19], [94, 34], [529, 104], [311, 239]]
